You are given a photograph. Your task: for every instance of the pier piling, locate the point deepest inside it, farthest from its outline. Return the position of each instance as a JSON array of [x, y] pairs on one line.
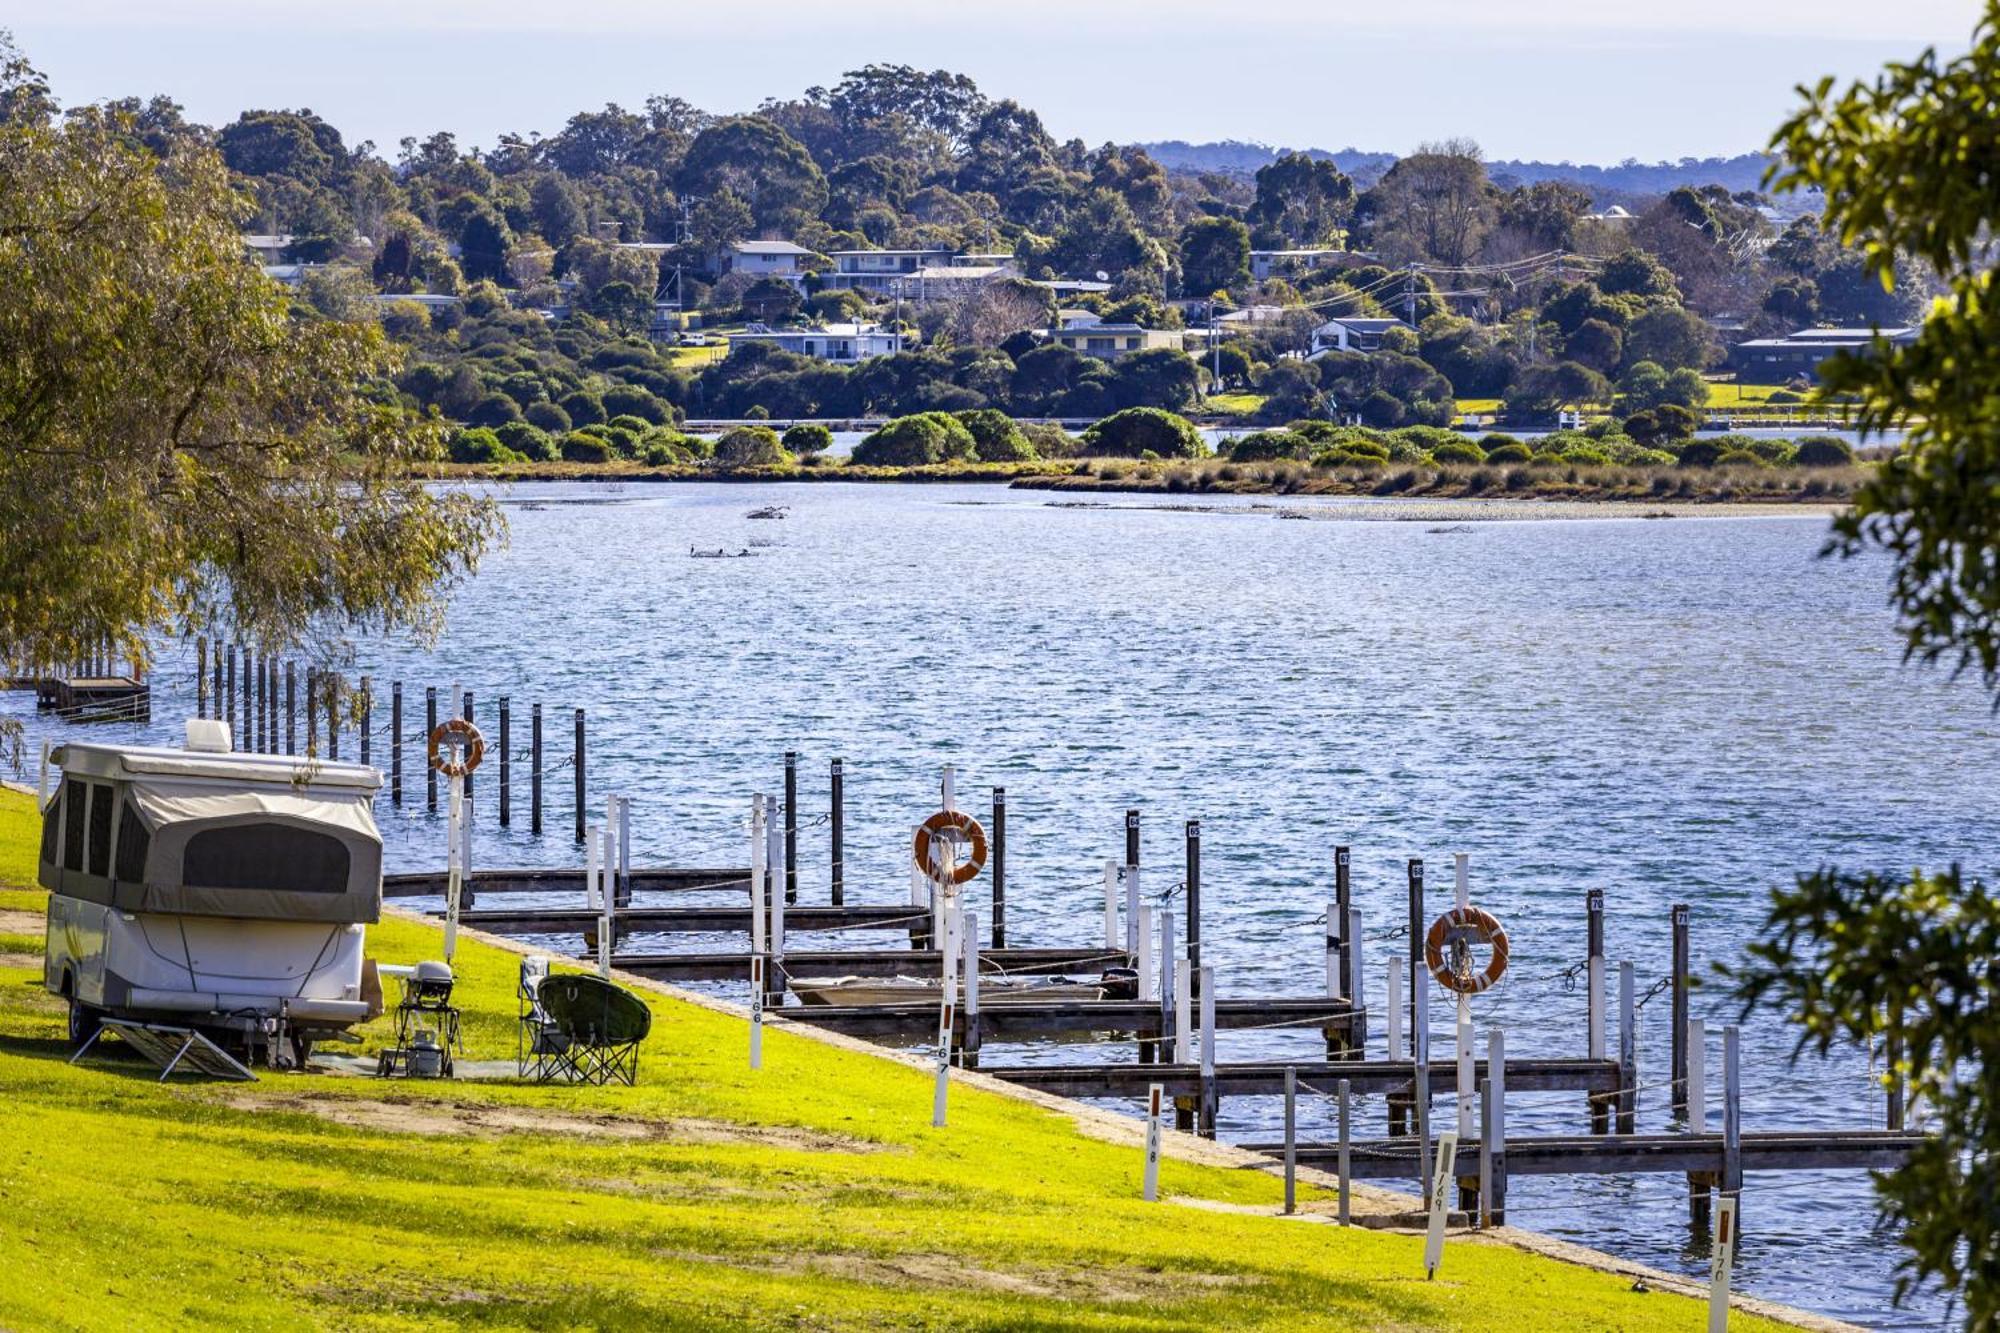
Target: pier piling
[[837, 839]]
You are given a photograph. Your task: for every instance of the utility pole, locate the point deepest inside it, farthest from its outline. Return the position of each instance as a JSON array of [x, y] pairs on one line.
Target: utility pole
[[1214, 347], [1410, 297]]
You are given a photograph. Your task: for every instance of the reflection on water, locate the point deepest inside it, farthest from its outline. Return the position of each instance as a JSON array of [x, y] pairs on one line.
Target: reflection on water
[[1673, 711]]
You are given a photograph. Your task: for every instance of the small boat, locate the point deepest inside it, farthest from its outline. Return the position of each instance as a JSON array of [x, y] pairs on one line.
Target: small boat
[[769, 511], [929, 990]]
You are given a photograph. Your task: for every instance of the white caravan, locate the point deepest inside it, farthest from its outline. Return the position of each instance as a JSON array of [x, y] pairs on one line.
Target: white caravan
[[211, 889]]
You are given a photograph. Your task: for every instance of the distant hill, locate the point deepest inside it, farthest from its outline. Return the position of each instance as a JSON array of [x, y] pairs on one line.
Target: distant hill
[[1235, 157]]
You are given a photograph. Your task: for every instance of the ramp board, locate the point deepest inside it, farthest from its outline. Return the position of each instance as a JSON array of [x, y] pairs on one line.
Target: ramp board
[[172, 1048]]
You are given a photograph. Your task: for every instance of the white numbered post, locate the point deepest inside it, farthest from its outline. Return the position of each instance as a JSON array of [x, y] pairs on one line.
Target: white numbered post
[[947, 1006], [454, 866], [1447, 1157], [1111, 907], [1144, 965], [1721, 1264], [756, 1011], [1153, 1100], [1393, 1001], [1183, 1003], [607, 900]]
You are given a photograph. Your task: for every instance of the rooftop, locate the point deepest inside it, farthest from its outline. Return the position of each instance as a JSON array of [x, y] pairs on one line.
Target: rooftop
[[769, 248]]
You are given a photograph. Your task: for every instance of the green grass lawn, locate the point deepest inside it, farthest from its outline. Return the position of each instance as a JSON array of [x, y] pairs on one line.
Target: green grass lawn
[[1234, 404], [811, 1194]]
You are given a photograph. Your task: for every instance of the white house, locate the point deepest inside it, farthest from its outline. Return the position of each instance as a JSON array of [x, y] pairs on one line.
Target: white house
[[874, 273], [1276, 263], [1078, 319], [945, 282], [1350, 334], [770, 259], [843, 344], [1108, 342], [268, 249]]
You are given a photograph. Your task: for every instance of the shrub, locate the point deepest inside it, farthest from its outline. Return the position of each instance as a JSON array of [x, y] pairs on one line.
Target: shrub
[[1513, 451], [1627, 453], [1740, 458], [1348, 458], [757, 412], [1424, 438], [808, 438], [1777, 453], [584, 408], [917, 440], [750, 446], [1048, 440], [495, 409], [1140, 430], [995, 437], [663, 445], [1704, 453], [622, 400], [1458, 451], [579, 447], [548, 417], [1822, 451], [1263, 445], [480, 445], [1582, 455], [526, 441]]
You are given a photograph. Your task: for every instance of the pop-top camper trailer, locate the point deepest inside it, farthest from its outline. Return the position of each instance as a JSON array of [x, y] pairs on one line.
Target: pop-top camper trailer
[[210, 889]]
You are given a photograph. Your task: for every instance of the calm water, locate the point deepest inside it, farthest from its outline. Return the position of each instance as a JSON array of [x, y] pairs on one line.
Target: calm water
[[1673, 711]]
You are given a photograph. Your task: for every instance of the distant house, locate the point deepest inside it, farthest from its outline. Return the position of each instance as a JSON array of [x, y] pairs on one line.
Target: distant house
[[289, 275], [770, 259], [1252, 314], [268, 249], [843, 344], [428, 300], [1775, 360], [1078, 319], [874, 273], [1111, 341], [945, 282], [1352, 335], [1277, 263], [1616, 214], [1069, 287]]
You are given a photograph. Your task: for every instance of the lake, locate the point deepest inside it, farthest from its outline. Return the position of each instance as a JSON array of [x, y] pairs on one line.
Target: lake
[[1687, 710]]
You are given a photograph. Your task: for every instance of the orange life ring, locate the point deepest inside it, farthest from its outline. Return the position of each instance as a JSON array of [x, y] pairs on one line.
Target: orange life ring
[[466, 734], [952, 823], [1486, 929]]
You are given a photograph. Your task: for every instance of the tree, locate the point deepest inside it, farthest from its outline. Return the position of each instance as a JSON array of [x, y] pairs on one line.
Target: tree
[[750, 446], [762, 165], [917, 441], [181, 453], [995, 437], [808, 438], [1636, 273], [1215, 255], [1902, 160], [558, 210], [1670, 337], [1144, 430], [1301, 200], [1156, 377], [1437, 202], [1541, 390], [1596, 344], [482, 245], [25, 98]]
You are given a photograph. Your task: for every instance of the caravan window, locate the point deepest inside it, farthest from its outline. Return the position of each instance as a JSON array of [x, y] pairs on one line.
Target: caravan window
[[72, 808], [52, 831], [265, 856], [133, 843], [100, 829]]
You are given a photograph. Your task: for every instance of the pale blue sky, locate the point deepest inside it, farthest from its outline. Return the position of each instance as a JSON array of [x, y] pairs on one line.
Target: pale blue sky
[[1590, 82]]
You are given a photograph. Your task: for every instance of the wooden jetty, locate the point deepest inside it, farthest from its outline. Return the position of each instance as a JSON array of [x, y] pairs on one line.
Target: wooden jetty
[[683, 920], [1633, 1154], [1267, 1078], [860, 963], [537, 921], [1063, 1017]]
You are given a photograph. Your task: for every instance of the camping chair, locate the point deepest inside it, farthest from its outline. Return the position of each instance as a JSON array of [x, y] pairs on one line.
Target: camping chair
[[540, 1042], [599, 1027]]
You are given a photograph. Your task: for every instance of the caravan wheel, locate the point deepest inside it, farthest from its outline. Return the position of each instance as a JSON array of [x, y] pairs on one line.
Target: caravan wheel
[[82, 1022]]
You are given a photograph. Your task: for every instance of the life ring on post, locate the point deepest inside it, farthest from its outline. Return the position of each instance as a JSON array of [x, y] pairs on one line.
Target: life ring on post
[[1455, 930], [455, 733], [954, 824]]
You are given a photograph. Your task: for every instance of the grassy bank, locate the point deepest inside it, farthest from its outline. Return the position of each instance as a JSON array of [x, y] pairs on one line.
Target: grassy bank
[[813, 1195], [1539, 480]]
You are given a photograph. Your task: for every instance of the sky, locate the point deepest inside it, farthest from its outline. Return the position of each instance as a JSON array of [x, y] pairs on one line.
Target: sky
[[1576, 80]]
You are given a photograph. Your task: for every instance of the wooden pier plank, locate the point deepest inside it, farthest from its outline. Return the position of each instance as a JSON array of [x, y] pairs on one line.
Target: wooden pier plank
[[863, 962], [657, 879], [717, 919], [1268, 1078], [1626, 1154], [1053, 1017]]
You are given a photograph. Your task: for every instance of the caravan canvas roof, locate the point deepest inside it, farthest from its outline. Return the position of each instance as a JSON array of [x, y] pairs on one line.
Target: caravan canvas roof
[[266, 837]]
